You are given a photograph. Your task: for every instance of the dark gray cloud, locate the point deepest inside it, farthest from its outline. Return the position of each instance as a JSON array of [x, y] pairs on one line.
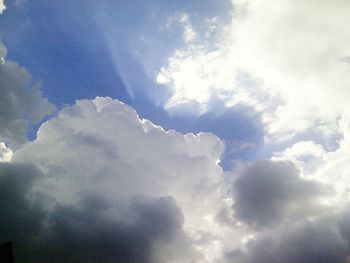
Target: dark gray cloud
[[84, 234], [344, 225], [267, 191], [319, 241], [93, 230], [285, 217], [21, 218]]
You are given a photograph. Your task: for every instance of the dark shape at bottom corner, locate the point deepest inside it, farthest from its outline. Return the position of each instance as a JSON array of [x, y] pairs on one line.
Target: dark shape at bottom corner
[[6, 252]]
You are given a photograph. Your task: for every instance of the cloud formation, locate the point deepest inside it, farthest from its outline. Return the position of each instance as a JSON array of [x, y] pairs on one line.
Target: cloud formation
[[290, 218], [82, 232], [268, 192], [100, 184], [117, 185], [288, 60], [318, 241], [21, 103], [21, 218]]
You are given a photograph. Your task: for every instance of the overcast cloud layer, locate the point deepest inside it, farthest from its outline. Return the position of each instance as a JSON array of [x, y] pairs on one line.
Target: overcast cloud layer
[[101, 184]]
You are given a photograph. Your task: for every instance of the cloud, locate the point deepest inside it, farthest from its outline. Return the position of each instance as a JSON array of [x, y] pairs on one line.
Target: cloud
[[112, 184], [318, 241], [302, 149], [82, 232], [5, 153], [21, 103], [189, 35], [288, 60], [100, 183], [269, 192], [2, 6], [289, 218], [3, 52], [20, 217]]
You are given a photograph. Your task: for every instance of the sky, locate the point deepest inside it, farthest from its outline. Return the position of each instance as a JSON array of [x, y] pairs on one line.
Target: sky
[[175, 131]]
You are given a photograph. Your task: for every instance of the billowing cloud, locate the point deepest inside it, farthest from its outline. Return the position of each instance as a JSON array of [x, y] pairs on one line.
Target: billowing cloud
[[99, 183], [118, 186], [21, 103]]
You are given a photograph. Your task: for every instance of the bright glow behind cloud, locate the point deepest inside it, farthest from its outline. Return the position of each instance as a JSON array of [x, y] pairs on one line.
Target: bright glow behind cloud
[[293, 54]]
